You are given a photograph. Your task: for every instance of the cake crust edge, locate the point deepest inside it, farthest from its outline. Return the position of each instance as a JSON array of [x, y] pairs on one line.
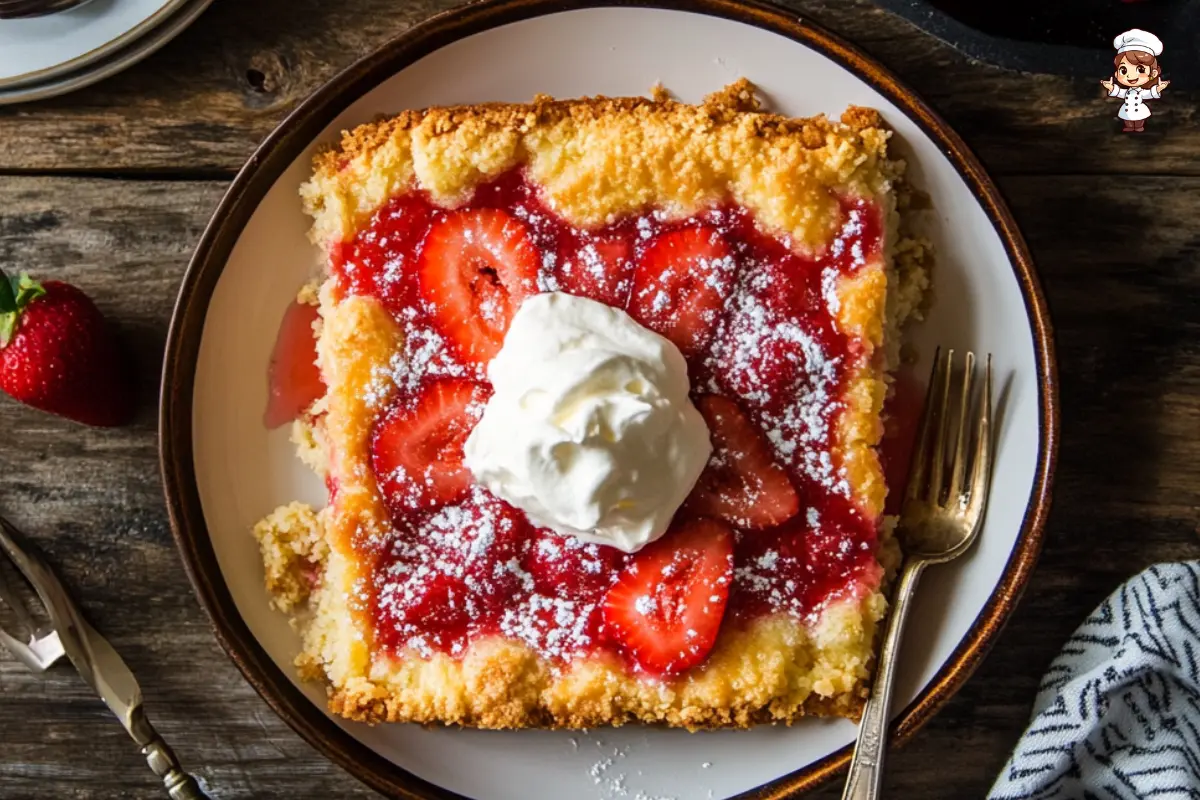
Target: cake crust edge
[[503, 684]]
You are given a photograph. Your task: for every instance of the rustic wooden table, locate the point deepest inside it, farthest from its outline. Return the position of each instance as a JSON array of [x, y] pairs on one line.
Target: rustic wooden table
[[110, 188]]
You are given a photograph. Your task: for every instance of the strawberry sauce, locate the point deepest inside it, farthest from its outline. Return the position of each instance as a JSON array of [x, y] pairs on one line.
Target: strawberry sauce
[[760, 331], [901, 421], [293, 379]]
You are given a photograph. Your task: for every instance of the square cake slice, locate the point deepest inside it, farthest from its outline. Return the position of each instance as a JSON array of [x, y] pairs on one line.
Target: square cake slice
[[761, 255]]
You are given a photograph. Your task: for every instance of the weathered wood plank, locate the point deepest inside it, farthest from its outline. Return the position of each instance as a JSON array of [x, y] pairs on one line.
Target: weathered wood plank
[[1120, 270], [94, 501], [201, 104]]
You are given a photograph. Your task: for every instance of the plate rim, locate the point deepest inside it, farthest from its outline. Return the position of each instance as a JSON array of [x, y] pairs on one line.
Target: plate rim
[[112, 63], [296, 133], [98, 52]]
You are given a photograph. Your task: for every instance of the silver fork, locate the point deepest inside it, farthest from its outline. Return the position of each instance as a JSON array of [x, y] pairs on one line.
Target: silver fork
[[943, 511], [39, 644], [42, 648]]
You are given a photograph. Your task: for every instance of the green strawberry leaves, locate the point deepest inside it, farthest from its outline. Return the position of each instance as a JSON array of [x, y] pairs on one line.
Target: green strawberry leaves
[[27, 290], [8, 326], [15, 294], [8, 295]]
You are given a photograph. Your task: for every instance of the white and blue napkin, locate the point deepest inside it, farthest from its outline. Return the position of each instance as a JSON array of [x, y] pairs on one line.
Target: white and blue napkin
[[1117, 716]]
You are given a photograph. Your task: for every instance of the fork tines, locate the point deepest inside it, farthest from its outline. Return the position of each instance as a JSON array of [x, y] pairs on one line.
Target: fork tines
[[953, 403], [25, 630]]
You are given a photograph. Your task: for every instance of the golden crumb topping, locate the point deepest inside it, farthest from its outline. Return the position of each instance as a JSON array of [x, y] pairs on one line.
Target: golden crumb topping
[[293, 550], [598, 159]]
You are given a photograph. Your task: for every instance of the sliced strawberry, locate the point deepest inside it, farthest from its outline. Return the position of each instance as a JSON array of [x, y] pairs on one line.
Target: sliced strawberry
[[475, 269], [666, 606], [742, 484], [417, 446], [599, 269], [564, 566], [680, 285], [293, 379]]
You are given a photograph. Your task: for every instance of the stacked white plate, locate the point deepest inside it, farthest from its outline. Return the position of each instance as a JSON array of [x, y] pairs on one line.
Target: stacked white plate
[[46, 56]]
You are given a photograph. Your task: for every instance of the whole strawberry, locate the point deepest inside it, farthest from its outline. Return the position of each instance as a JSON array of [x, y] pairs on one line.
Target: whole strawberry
[[58, 354]]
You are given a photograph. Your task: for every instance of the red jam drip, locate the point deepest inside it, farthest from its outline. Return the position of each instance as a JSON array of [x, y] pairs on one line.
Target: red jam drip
[[479, 567], [901, 423], [293, 378]]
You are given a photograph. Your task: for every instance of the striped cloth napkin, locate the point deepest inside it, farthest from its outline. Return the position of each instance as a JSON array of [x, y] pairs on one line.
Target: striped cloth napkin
[[1117, 716]]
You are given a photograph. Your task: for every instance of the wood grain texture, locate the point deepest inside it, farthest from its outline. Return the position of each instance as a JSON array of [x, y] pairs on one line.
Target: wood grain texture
[[1119, 257], [205, 101]]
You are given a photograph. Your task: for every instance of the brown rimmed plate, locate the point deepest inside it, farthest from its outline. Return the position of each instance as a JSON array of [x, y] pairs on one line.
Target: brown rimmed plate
[[223, 471]]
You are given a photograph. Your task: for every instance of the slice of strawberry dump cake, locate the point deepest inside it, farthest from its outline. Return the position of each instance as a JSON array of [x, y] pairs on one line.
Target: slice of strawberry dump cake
[[605, 385]]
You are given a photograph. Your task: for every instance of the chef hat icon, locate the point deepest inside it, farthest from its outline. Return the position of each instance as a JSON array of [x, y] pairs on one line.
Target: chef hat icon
[[1137, 39]]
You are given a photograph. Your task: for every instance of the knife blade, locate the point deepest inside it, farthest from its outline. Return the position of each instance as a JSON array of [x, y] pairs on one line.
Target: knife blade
[[98, 663]]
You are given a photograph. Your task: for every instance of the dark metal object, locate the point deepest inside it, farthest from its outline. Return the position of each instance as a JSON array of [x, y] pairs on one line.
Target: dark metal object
[[1067, 37], [57, 629], [933, 530]]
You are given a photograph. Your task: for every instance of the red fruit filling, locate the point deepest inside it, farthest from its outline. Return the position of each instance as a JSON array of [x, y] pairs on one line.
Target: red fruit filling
[[770, 527], [293, 378], [901, 424], [742, 484], [376, 263], [599, 268]]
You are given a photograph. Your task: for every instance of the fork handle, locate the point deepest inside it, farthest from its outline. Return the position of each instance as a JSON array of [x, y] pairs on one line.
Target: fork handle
[[866, 770], [179, 784]]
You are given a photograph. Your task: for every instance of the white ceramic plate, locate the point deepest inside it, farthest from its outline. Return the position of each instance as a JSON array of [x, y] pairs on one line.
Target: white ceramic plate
[[166, 26], [40, 48], [223, 471]]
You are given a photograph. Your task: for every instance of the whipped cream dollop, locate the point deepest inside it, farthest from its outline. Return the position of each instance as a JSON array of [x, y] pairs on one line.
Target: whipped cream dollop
[[590, 430]]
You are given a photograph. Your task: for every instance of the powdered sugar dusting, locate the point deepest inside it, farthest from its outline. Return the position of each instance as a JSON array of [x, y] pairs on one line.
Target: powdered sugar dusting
[[554, 626], [829, 290], [767, 356], [590, 258], [448, 574], [423, 355], [611, 781], [466, 561], [547, 280]]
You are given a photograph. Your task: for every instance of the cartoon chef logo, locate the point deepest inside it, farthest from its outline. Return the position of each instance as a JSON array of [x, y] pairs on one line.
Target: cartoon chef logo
[[1137, 77]]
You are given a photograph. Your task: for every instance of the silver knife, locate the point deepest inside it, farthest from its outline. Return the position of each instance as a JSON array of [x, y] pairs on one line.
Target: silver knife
[[94, 658]]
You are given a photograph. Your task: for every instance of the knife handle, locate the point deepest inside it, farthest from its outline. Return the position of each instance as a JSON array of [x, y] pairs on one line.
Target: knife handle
[[179, 784]]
